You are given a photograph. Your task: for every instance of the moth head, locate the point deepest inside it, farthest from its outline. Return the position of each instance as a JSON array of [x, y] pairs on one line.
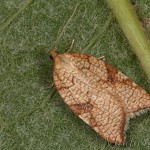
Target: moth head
[[53, 53]]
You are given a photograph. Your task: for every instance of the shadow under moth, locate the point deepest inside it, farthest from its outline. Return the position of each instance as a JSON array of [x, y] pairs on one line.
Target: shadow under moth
[[98, 93]]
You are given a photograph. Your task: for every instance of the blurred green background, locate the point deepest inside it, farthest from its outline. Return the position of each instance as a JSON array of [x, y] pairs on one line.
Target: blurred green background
[[32, 114]]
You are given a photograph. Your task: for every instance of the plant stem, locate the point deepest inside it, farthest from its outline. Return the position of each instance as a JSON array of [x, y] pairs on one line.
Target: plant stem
[[132, 28]]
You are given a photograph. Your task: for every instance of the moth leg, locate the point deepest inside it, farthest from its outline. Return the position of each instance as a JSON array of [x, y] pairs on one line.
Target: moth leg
[[102, 58], [51, 85]]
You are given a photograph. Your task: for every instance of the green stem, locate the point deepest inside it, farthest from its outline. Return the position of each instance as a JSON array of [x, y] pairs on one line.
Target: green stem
[[132, 28]]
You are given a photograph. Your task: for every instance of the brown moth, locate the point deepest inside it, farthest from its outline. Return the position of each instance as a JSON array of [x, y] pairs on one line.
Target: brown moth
[[98, 93]]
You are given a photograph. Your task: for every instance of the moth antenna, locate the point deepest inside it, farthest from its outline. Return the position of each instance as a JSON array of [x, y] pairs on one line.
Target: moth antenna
[[72, 43]]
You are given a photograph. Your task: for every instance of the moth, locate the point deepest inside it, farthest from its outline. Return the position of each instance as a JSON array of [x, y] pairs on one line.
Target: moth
[[98, 93]]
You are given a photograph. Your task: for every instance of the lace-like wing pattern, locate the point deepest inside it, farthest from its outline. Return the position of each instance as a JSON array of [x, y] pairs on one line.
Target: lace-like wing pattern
[[98, 93]]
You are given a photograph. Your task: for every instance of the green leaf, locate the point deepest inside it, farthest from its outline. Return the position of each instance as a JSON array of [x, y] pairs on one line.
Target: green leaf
[[32, 115]]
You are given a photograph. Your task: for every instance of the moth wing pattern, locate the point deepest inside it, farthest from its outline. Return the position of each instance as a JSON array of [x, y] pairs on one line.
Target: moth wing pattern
[[98, 93], [135, 98], [99, 108], [95, 110]]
